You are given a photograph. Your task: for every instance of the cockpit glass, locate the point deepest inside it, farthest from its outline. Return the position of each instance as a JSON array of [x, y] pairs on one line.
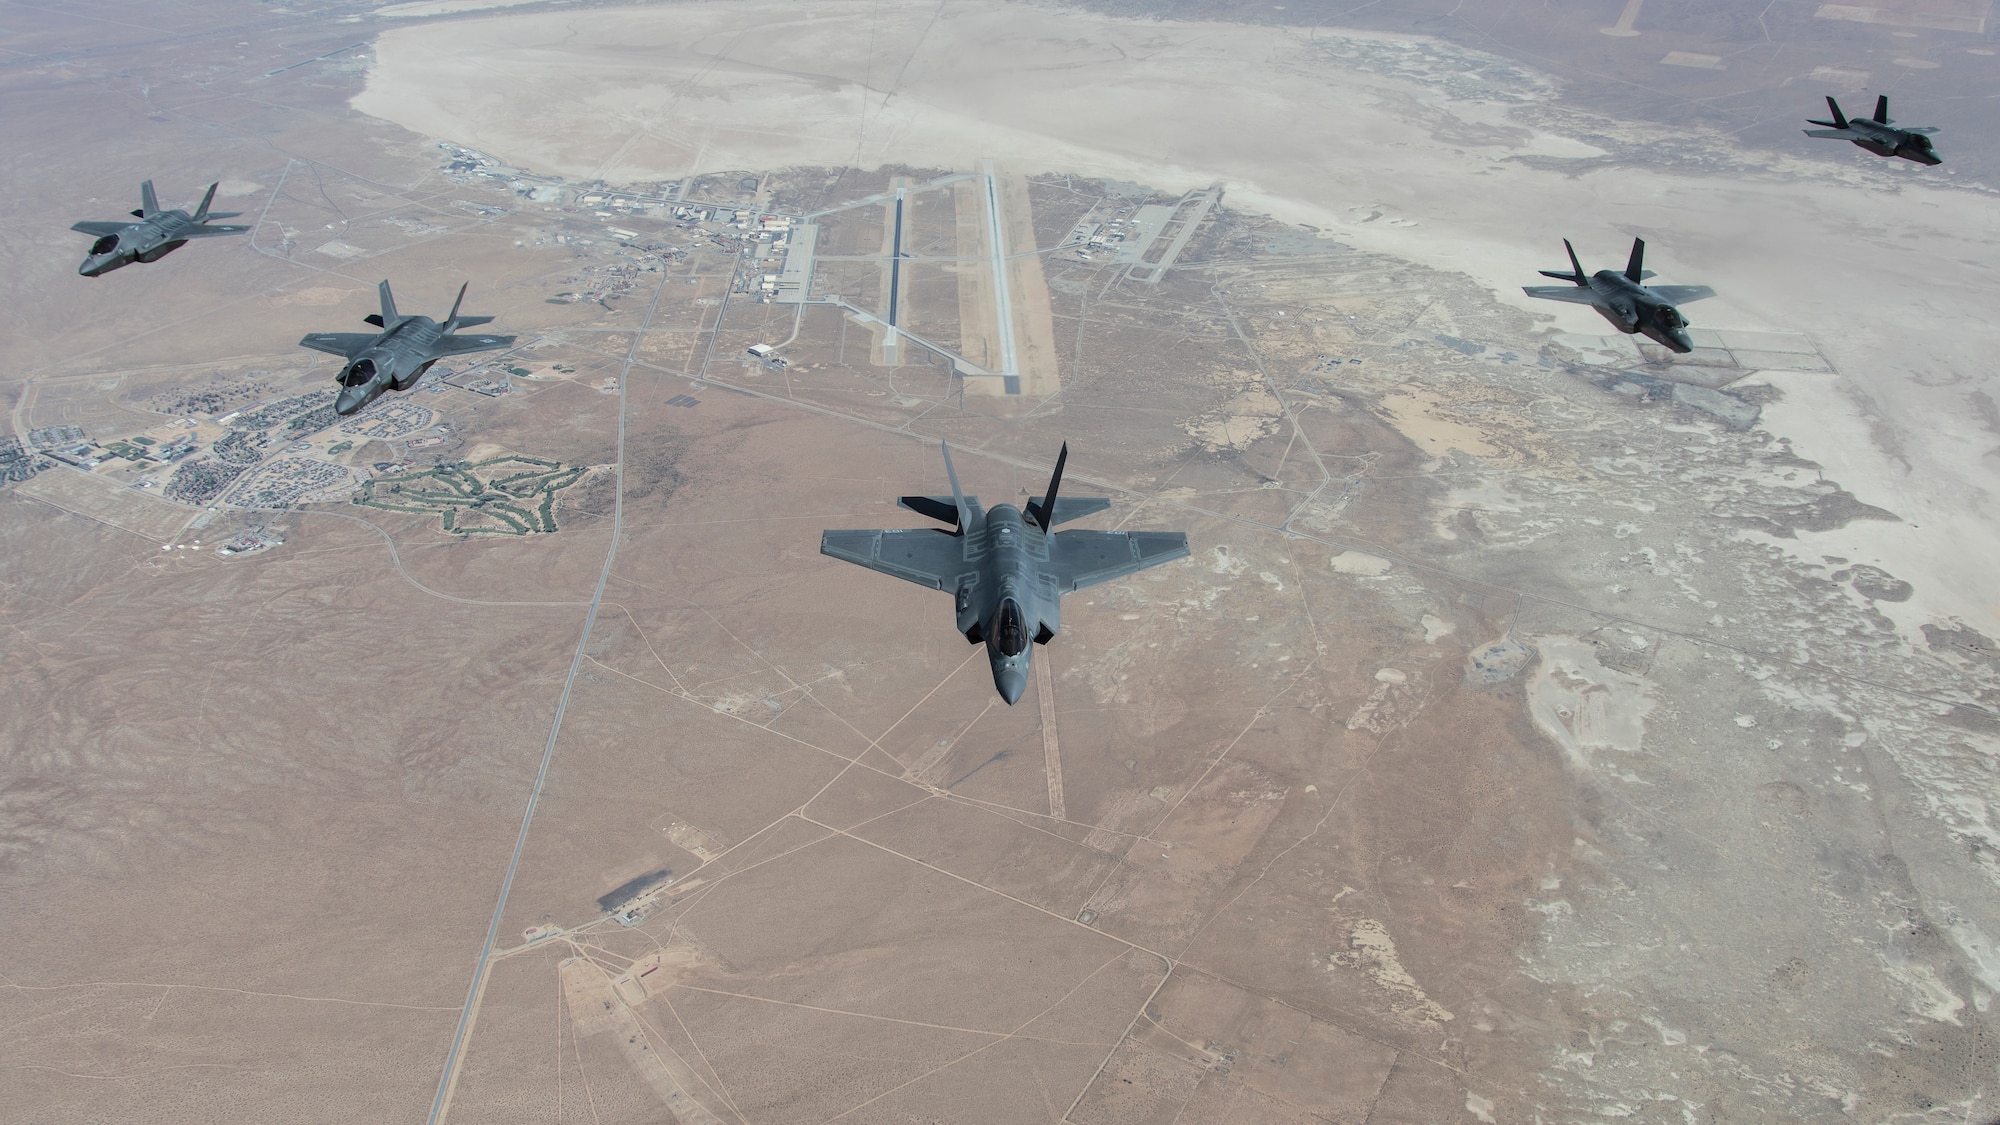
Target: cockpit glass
[[1010, 632], [104, 245], [359, 374]]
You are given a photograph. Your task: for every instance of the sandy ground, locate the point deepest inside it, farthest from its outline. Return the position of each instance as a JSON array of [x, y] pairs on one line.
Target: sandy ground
[[1700, 839], [1356, 135]]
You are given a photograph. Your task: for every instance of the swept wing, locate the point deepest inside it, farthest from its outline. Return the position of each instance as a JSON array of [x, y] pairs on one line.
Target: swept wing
[[1079, 559], [923, 555], [343, 344], [459, 345], [1680, 294]]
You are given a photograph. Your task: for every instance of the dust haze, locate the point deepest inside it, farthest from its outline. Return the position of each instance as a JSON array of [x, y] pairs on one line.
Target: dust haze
[[1546, 727]]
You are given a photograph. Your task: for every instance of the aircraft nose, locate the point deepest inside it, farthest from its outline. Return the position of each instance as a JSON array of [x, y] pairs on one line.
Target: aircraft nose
[[1011, 682], [350, 400]]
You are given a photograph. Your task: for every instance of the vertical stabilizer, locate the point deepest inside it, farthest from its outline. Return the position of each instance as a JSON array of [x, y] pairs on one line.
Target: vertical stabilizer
[[148, 202], [388, 305], [1635, 266], [1839, 118], [201, 212], [1882, 110], [1045, 512], [451, 321], [957, 494], [1573, 263]]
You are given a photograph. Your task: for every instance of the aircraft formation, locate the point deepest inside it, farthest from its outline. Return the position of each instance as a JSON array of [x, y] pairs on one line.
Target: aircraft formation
[[1007, 568], [1653, 311]]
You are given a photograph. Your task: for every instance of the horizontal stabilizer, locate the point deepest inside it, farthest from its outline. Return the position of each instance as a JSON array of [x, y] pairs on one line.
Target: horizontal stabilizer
[[1574, 294], [472, 321], [374, 319], [1561, 276], [943, 509], [1837, 134], [1068, 508], [213, 215]]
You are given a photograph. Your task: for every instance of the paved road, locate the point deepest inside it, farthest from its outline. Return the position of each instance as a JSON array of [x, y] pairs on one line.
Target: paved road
[[441, 1103]]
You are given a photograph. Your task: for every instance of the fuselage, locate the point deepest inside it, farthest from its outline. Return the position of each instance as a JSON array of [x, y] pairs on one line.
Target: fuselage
[[147, 240], [1006, 604], [1887, 140], [397, 359], [1633, 308]]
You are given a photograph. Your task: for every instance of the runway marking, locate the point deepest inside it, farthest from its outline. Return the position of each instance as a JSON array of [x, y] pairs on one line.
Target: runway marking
[[1003, 301], [315, 58], [1045, 689]]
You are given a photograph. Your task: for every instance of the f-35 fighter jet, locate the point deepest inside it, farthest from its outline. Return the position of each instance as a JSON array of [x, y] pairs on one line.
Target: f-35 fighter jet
[[156, 234], [398, 355], [1628, 305], [1006, 569], [1878, 134]]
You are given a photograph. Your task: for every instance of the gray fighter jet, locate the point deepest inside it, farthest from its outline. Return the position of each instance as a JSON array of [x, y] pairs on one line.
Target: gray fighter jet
[[398, 355], [1006, 568], [1878, 134], [156, 234], [1628, 305]]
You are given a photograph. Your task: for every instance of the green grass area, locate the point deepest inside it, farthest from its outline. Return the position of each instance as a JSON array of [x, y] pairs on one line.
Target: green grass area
[[498, 496], [143, 440]]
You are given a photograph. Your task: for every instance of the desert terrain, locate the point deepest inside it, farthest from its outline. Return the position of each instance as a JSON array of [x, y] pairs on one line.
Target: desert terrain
[[1544, 728]]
